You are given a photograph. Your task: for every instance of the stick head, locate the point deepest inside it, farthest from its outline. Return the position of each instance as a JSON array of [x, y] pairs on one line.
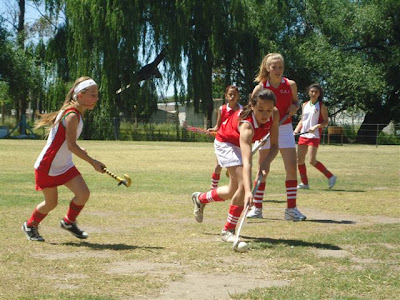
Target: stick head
[[126, 182], [235, 245]]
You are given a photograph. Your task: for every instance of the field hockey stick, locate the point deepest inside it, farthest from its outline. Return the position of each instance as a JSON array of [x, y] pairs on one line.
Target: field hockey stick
[[265, 138], [300, 133], [198, 129], [127, 181], [122, 88], [244, 214]]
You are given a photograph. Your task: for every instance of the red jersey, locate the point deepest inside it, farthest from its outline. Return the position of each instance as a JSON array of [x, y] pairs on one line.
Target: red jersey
[[229, 130], [284, 97], [226, 112]]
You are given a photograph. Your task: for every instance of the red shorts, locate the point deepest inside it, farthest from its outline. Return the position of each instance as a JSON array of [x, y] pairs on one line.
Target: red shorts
[[44, 181], [308, 142]]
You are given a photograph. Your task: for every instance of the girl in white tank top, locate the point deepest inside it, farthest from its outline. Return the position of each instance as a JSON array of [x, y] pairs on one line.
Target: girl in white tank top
[[314, 117]]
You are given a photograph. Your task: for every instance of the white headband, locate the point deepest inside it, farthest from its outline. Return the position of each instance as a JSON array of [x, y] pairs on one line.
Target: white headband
[[84, 85]]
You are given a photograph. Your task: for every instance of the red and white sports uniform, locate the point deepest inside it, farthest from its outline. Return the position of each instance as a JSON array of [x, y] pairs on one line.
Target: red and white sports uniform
[[227, 141], [311, 116], [54, 165], [284, 98], [226, 111]]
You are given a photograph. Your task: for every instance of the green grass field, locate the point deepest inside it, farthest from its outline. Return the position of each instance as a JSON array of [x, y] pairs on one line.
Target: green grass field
[[145, 244]]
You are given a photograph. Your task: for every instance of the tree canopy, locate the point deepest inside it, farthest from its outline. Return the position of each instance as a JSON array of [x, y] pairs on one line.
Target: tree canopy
[[352, 48]]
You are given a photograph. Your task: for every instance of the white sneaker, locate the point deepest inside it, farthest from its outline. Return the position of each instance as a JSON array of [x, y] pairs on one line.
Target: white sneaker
[[332, 181], [294, 214], [303, 186], [255, 213], [198, 207], [228, 236]]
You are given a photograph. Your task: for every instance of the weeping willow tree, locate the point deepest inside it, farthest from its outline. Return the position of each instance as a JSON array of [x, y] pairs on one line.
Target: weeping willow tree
[[100, 39]]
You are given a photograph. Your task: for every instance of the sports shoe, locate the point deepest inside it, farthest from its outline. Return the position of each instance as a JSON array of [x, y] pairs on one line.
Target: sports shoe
[[255, 213], [198, 207], [303, 186], [332, 181], [228, 236], [74, 229], [294, 214], [32, 233]]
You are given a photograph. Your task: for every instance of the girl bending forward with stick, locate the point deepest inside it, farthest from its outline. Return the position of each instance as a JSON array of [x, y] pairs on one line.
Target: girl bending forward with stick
[[233, 145], [54, 166]]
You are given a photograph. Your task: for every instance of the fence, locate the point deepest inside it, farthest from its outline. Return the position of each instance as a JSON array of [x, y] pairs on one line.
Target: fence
[[332, 135]]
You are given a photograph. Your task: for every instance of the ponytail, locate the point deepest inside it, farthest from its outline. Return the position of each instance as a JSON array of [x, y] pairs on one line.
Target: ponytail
[[69, 102]]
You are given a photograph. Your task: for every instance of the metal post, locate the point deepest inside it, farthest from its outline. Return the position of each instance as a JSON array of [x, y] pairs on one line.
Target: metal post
[[377, 131]]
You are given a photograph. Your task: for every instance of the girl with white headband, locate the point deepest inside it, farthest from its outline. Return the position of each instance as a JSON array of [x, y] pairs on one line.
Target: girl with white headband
[[54, 166]]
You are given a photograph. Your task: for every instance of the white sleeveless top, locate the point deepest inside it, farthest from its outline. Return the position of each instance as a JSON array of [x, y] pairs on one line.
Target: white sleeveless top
[[55, 158], [310, 117]]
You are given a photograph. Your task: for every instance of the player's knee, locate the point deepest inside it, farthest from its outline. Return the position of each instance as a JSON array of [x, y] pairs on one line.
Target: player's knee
[[313, 161], [50, 205], [83, 195]]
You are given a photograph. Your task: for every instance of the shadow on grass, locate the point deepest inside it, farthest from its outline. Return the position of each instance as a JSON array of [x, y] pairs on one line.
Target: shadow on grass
[[116, 247], [295, 243], [275, 201], [347, 191], [345, 222]]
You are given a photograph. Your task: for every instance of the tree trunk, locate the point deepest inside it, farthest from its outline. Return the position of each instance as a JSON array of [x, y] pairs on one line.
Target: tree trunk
[[21, 43], [372, 125]]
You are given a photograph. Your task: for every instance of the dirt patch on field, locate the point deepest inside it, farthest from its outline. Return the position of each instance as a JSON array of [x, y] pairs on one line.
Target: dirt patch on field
[[195, 285]]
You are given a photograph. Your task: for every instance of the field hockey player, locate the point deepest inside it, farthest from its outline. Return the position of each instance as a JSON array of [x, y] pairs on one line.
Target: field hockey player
[[270, 77], [224, 112], [54, 166], [233, 148], [314, 117]]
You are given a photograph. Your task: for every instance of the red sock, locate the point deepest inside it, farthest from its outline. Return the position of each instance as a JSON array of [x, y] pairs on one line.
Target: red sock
[[215, 180], [303, 173], [36, 218], [291, 193], [259, 195], [233, 217], [210, 196], [323, 170], [73, 211]]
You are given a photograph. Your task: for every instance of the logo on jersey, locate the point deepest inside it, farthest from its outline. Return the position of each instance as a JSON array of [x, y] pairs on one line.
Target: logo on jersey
[[282, 91]]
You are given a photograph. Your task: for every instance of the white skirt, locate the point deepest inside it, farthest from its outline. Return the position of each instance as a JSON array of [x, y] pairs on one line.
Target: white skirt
[[286, 138], [228, 155]]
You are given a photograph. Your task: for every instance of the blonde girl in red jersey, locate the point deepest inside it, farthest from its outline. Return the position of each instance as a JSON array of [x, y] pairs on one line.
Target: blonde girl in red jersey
[[54, 166], [314, 117], [224, 112], [271, 77], [233, 150]]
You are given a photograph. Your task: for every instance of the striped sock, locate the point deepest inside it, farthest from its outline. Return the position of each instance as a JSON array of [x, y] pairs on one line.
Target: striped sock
[[210, 196], [259, 195], [73, 212], [215, 180], [35, 218], [291, 193], [233, 217], [303, 173], [323, 170]]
